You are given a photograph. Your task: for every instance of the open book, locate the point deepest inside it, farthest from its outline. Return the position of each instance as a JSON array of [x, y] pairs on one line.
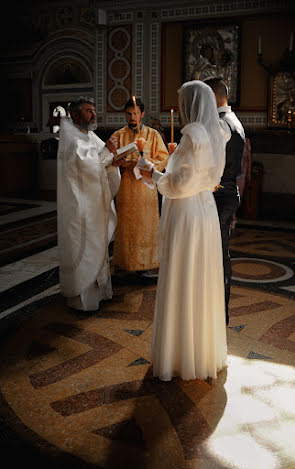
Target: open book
[[125, 151]]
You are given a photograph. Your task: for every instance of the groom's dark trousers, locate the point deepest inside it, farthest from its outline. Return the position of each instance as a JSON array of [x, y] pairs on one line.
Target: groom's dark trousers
[[227, 201]]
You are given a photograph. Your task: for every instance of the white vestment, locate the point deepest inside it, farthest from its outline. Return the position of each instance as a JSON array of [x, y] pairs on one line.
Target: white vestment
[[189, 334], [86, 185]]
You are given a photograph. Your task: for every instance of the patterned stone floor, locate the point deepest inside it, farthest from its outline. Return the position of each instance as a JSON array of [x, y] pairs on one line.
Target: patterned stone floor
[[264, 259], [26, 228], [77, 389]]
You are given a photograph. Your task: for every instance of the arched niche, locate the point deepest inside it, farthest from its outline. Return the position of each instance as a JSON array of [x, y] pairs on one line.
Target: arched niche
[[66, 71], [63, 70]]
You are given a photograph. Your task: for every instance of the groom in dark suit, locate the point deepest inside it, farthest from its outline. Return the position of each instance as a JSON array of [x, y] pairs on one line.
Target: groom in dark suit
[[227, 196]]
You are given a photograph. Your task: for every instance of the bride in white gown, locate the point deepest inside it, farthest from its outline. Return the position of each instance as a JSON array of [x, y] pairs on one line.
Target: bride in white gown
[[189, 335]]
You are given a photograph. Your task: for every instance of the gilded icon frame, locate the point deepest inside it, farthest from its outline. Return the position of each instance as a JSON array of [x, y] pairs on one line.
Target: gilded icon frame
[[281, 107], [213, 49]]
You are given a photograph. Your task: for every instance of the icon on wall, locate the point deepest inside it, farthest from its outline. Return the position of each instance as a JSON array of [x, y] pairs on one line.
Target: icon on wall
[[281, 109], [212, 50]]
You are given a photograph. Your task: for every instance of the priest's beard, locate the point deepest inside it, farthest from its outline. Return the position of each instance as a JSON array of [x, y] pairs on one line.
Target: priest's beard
[[134, 127], [89, 127]]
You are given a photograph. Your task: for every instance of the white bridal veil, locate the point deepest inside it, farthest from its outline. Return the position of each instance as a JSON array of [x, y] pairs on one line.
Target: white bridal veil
[[198, 105], [200, 157]]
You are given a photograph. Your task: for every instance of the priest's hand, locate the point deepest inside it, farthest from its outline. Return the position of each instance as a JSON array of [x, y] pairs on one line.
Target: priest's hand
[[117, 163], [112, 144], [129, 163], [147, 175], [172, 147]]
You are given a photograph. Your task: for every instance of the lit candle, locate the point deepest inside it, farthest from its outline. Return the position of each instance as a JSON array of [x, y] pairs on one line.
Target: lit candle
[[291, 42], [172, 126], [259, 45], [135, 108]]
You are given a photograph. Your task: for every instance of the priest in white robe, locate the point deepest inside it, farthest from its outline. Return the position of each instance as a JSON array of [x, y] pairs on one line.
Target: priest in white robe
[[86, 185]]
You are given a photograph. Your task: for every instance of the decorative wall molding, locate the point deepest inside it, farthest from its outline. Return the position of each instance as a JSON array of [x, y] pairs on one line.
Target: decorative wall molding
[[253, 119], [139, 61], [248, 119], [115, 119], [119, 66], [155, 68], [120, 17], [165, 119], [225, 8], [60, 46], [58, 49], [100, 70], [48, 20], [202, 6]]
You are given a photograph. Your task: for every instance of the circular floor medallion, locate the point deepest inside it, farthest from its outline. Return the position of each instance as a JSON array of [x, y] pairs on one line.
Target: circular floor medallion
[[247, 269]]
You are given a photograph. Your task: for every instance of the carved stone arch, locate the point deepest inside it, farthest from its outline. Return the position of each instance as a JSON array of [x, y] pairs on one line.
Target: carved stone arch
[[66, 70], [77, 53], [72, 48]]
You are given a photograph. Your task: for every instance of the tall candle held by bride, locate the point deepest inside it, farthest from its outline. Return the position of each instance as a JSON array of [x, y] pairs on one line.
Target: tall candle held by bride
[[135, 109], [172, 126]]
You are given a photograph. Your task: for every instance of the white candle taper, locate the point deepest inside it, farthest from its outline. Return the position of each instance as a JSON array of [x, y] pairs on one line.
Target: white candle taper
[[137, 120], [172, 126]]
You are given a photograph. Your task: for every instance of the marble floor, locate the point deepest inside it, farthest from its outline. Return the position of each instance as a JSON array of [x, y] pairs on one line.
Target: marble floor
[[76, 390]]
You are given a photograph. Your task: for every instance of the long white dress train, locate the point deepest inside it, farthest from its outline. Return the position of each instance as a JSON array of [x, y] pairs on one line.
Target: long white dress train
[[189, 335]]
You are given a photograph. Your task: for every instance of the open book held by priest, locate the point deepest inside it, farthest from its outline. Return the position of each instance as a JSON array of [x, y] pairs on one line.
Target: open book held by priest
[[125, 151]]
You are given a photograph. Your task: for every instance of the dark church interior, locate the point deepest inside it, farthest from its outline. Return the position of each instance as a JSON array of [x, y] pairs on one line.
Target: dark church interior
[[76, 391]]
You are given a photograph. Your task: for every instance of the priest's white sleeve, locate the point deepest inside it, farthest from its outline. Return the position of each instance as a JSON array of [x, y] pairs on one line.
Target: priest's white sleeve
[[106, 157], [114, 179]]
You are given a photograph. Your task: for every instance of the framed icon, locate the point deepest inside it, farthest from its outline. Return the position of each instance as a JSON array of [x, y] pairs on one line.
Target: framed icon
[[213, 50], [281, 107]]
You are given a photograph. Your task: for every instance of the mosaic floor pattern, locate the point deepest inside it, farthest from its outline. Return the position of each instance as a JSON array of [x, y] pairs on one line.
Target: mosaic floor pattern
[[79, 387], [23, 238], [10, 207], [26, 227], [76, 389], [262, 242], [264, 259]]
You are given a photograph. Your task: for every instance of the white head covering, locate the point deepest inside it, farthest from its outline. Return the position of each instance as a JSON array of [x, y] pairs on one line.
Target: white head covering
[[198, 111], [197, 103]]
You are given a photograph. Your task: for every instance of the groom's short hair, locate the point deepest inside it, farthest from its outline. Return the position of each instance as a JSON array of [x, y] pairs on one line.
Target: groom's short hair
[[218, 85]]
